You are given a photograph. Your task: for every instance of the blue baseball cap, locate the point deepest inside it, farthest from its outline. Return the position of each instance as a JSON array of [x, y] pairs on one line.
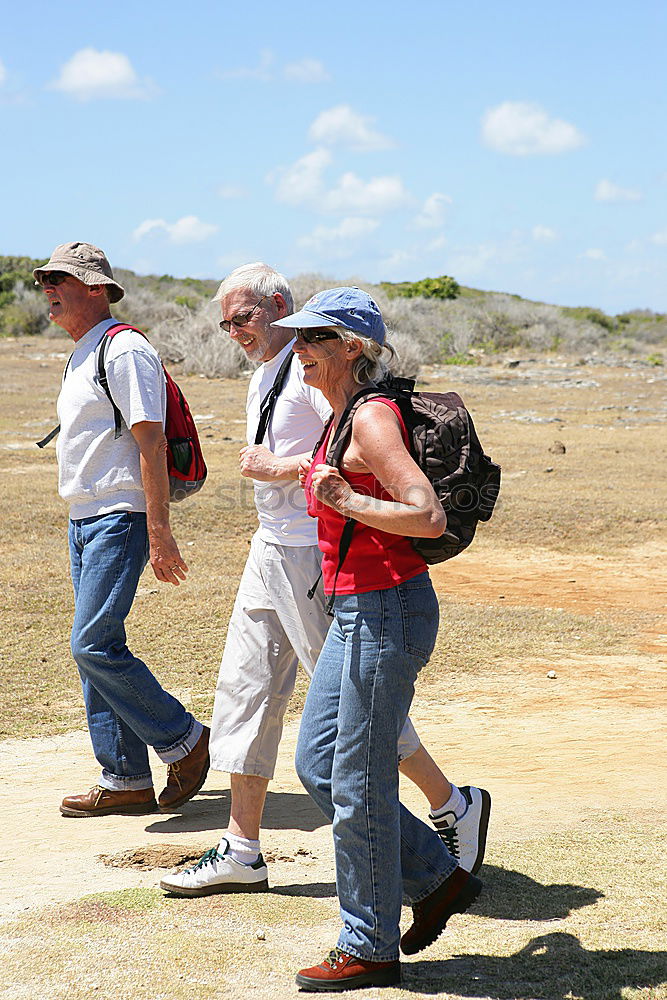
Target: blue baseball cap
[[348, 307]]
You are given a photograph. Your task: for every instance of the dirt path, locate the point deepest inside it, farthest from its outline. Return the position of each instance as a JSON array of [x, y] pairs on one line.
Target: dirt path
[[552, 752]]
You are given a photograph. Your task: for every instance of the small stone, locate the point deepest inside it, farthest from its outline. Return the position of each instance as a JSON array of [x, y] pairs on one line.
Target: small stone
[[558, 448], [261, 935], [549, 468], [552, 675]]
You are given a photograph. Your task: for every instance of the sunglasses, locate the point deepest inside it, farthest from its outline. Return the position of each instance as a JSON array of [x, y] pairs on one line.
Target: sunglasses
[[315, 335], [241, 319], [53, 278]]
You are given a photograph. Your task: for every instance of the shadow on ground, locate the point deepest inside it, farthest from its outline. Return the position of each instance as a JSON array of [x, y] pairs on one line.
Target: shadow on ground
[[210, 811], [510, 895], [552, 967]]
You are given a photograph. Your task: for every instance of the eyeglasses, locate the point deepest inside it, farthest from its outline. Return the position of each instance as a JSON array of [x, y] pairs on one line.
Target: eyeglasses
[[53, 278], [241, 319], [314, 335]]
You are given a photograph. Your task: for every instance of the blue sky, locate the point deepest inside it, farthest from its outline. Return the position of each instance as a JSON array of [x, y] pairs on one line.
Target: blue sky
[[519, 147]]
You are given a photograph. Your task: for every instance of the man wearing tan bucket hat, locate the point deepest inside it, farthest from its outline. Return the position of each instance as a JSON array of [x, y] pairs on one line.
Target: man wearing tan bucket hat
[[118, 492]]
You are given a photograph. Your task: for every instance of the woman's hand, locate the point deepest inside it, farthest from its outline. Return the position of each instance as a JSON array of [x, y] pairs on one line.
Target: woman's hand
[[305, 463], [330, 488]]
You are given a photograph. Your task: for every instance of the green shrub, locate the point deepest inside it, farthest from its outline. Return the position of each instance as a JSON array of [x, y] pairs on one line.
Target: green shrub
[[443, 287]]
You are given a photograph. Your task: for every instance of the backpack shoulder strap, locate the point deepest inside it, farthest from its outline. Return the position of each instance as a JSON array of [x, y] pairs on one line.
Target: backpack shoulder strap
[[340, 439], [268, 404], [100, 366], [50, 436]]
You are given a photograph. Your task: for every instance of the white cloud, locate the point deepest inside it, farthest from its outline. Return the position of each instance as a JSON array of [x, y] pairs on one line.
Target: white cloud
[[189, 229], [432, 214], [341, 126], [231, 192], [522, 128], [341, 240], [3, 72], [470, 262], [543, 234], [436, 244], [660, 239], [378, 195], [608, 191], [393, 266], [303, 182], [91, 74], [306, 71], [262, 72], [594, 253]]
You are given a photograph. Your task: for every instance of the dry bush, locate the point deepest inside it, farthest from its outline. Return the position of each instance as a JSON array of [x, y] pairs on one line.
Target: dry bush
[[27, 314], [194, 340], [500, 322]]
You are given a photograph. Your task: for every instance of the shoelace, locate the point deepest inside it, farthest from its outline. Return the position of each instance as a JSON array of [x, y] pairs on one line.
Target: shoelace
[[172, 772], [206, 859], [450, 836], [334, 955]]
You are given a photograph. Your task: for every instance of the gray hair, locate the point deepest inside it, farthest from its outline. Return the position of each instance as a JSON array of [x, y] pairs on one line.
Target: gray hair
[[260, 279], [370, 366]]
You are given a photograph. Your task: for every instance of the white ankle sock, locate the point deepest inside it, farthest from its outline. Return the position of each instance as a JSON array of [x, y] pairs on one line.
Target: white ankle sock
[[456, 804], [240, 848]]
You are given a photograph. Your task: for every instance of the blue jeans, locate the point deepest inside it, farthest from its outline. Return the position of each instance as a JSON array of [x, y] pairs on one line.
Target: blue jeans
[[347, 759], [126, 707]]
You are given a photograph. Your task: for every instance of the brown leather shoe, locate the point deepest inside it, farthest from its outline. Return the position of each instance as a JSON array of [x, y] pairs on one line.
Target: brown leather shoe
[[339, 971], [186, 776], [103, 802], [454, 895]]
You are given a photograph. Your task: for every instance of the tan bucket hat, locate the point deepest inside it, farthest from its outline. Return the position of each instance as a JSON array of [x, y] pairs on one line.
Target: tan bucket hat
[[85, 262]]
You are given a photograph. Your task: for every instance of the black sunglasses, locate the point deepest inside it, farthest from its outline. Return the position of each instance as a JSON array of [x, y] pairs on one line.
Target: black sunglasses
[[241, 319], [53, 278], [314, 335]]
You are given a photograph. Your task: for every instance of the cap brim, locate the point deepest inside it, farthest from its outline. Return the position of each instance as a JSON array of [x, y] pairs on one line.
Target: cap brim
[[304, 318]]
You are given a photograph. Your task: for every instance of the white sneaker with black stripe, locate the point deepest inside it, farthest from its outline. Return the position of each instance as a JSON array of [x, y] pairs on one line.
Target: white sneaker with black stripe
[[465, 838], [215, 872]]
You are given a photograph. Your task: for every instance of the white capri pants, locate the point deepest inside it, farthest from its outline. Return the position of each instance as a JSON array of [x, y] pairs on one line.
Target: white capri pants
[[273, 627]]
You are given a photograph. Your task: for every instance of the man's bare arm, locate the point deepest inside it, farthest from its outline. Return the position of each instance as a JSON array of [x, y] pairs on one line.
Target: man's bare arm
[[257, 462], [166, 560]]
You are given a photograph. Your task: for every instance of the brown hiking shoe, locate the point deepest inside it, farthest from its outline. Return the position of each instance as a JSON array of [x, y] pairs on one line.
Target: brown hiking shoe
[[340, 972], [186, 776], [104, 802], [430, 915]]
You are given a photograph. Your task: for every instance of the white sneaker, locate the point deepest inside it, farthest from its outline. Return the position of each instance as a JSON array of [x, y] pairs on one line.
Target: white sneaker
[[215, 872], [465, 838]]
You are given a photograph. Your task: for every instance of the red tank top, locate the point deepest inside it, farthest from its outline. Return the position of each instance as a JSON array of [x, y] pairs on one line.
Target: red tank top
[[376, 559]]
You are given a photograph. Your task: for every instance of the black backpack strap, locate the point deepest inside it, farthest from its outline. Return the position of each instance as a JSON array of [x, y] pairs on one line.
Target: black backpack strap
[[334, 457], [268, 404], [101, 351], [50, 436]]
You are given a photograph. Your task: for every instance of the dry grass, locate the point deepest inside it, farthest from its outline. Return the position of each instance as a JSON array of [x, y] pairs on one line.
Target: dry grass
[[602, 496], [576, 914], [561, 918]]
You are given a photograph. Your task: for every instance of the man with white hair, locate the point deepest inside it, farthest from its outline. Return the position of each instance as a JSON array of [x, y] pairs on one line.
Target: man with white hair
[[274, 625], [117, 487]]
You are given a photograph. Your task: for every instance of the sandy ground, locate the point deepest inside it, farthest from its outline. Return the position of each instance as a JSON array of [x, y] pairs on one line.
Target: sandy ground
[[552, 756]]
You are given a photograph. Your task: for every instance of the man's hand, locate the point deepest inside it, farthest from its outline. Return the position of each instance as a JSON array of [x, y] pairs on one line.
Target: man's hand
[[304, 468], [166, 560], [257, 462], [330, 488]]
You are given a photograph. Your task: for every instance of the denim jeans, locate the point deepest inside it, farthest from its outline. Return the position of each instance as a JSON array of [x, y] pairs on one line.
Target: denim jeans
[[347, 759], [127, 709]]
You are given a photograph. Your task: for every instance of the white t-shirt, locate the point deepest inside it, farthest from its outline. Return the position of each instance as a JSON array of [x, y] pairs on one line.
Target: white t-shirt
[[97, 473], [296, 425]]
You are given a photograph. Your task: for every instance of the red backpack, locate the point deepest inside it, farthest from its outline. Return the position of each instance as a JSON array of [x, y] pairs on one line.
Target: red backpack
[[185, 461]]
